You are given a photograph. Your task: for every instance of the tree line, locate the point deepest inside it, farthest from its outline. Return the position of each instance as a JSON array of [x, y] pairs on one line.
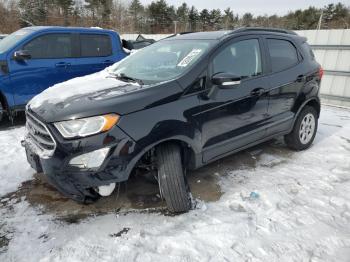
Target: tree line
[[158, 16]]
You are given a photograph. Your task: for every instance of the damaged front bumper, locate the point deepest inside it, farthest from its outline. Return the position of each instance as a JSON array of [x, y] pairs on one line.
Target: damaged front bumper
[[77, 166]]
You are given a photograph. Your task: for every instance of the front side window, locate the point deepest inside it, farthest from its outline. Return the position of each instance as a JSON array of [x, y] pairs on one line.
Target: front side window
[[95, 45], [283, 54], [12, 39], [162, 61], [50, 46], [241, 58]]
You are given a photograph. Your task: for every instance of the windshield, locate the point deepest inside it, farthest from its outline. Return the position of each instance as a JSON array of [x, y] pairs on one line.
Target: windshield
[[10, 40], [162, 61]]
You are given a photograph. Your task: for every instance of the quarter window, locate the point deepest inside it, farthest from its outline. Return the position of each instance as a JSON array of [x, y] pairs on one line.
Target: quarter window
[[50, 46], [242, 59], [283, 54], [95, 45]]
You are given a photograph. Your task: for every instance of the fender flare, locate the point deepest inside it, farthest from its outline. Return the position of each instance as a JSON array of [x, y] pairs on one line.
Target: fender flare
[[315, 98]]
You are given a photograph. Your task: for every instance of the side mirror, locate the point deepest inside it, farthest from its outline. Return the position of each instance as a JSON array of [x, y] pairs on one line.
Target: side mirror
[[225, 80], [21, 55]]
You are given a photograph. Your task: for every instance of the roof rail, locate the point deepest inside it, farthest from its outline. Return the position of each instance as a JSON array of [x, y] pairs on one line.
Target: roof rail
[[181, 33], [267, 29]]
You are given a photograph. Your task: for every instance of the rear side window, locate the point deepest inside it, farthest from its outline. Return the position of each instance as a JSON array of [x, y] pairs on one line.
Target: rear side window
[[95, 45], [50, 46], [308, 50], [283, 54]]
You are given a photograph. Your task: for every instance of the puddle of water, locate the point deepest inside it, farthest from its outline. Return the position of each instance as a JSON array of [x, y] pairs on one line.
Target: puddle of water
[[136, 194]]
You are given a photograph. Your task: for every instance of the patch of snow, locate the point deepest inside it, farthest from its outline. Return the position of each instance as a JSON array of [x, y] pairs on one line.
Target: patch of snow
[[14, 168]]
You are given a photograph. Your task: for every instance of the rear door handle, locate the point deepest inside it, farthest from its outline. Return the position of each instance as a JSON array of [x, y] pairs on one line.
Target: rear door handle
[[62, 64], [257, 92]]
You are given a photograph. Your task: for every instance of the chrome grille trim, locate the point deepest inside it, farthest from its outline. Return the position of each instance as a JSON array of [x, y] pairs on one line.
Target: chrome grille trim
[[39, 137]]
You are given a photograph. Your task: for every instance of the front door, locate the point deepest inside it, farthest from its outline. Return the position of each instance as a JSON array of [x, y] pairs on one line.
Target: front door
[[235, 116], [50, 62]]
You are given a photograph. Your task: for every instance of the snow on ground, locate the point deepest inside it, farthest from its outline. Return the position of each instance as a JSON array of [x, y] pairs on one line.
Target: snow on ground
[[289, 207], [14, 168]]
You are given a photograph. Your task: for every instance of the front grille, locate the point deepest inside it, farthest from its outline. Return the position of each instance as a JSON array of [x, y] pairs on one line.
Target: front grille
[[40, 136]]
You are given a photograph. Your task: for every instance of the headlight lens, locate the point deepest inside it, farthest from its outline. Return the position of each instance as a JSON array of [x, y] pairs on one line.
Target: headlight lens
[[86, 126]]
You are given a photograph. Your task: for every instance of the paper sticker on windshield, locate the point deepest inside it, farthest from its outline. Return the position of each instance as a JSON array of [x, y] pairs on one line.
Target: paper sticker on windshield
[[188, 59]]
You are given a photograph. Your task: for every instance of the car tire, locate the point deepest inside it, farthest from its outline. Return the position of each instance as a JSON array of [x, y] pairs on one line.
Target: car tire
[[304, 130], [171, 178]]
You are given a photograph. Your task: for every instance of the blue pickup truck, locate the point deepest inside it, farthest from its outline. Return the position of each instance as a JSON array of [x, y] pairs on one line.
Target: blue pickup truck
[[35, 58]]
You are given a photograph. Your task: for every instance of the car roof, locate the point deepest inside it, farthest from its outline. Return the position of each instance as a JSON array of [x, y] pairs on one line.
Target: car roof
[[64, 28], [218, 35]]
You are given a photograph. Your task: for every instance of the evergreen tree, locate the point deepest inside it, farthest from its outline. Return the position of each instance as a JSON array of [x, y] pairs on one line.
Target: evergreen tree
[[228, 19], [215, 19], [182, 13], [93, 6], [204, 18], [33, 12], [247, 19], [106, 11], [135, 10], [66, 6], [193, 17], [161, 14]]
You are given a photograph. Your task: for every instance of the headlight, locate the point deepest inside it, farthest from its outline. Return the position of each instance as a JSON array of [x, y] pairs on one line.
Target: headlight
[[86, 126]]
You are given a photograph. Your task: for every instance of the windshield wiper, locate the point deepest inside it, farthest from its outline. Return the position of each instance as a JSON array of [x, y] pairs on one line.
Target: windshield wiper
[[126, 78]]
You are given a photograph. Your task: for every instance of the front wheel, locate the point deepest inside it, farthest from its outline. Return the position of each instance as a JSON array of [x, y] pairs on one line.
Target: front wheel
[[304, 130], [171, 177]]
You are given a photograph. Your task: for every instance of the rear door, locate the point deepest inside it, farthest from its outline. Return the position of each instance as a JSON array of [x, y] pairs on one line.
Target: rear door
[[50, 63], [96, 53], [234, 117], [286, 80]]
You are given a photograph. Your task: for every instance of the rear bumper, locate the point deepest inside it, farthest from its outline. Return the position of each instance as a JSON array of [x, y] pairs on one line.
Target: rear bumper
[[77, 182]]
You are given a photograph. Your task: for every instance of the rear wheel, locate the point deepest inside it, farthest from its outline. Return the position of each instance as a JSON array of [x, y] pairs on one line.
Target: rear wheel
[[171, 177], [304, 130]]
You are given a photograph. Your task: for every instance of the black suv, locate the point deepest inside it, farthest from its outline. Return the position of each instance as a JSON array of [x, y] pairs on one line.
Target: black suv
[[173, 106]]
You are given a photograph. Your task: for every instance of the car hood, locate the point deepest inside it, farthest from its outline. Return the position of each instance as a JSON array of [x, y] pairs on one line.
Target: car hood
[[96, 94]]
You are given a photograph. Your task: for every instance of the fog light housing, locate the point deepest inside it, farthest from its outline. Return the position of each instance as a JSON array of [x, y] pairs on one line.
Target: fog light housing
[[90, 160]]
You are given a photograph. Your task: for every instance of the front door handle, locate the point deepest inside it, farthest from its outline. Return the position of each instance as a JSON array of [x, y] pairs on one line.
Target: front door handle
[[107, 62], [300, 78], [257, 92]]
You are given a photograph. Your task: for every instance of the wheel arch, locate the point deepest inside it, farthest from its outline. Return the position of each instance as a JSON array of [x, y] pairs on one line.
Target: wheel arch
[[313, 102], [190, 154], [3, 101]]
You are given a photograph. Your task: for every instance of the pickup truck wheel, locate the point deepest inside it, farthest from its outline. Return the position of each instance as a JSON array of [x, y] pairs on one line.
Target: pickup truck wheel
[[304, 130], [171, 177]]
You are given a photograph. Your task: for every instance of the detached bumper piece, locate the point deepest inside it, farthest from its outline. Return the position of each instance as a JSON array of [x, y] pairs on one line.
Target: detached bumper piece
[[69, 188]]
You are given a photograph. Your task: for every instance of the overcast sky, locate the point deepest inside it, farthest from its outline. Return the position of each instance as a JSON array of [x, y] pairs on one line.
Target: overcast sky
[[257, 7]]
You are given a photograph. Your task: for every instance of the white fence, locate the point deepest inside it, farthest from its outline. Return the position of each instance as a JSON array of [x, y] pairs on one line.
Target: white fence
[[332, 51]]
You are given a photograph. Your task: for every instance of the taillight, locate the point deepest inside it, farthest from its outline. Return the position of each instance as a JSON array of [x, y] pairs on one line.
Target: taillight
[[320, 72]]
